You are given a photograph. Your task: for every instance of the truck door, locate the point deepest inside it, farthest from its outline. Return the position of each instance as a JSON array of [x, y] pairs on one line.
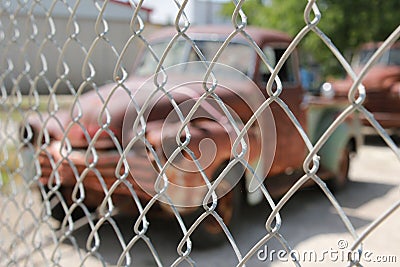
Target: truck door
[[290, 148]]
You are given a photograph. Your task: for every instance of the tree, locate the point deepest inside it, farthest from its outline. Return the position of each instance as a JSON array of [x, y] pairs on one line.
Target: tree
[[346, 23]]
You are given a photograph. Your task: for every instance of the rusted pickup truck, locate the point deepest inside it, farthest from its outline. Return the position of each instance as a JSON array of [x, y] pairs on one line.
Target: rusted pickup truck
[[173, 128], [382, 84]]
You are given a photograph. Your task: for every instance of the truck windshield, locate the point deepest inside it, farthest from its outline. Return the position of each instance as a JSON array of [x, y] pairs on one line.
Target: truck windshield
[[236, 55], [390, 57]]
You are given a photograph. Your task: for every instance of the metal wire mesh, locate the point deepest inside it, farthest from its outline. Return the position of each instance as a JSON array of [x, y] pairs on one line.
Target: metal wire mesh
[[29, 234]]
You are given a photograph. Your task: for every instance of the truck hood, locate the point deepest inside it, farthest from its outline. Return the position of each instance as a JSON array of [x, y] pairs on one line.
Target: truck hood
[[117, 107], [378, 78]]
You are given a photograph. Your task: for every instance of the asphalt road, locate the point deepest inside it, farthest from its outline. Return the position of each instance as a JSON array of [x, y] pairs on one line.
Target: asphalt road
[[309, 223]]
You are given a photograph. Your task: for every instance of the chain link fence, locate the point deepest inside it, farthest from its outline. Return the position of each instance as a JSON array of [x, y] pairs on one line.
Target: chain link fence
[[76, 153]]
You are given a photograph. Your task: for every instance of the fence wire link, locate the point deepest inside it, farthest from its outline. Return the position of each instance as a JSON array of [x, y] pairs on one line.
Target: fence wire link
[[30, 41]]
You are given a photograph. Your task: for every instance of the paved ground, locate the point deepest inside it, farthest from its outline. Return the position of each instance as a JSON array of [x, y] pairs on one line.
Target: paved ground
[[310, 224]]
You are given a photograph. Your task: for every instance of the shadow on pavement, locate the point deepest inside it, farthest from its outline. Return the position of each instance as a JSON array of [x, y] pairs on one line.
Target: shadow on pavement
[[377, 140], [358, 193], [307, 214]]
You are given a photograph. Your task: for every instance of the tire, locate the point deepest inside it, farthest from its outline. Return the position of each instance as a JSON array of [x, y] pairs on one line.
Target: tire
[[341, 178], [57, 210], [209, 232]]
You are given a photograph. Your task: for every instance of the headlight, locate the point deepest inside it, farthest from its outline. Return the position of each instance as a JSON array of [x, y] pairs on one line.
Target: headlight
[[327, 90]]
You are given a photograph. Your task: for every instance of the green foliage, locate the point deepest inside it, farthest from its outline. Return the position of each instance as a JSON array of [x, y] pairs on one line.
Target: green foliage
[[346, 23]]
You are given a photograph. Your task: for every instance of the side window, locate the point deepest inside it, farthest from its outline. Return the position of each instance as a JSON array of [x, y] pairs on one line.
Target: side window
[[361, 58], [286, 74], [394, 58], [265, 73]]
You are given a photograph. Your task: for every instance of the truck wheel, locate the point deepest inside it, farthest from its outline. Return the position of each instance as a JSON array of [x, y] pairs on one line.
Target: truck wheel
[[209, 232], [57, 210], [342, 177]]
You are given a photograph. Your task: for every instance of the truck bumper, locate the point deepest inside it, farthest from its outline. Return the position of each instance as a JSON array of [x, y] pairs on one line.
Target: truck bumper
[[98, 173]]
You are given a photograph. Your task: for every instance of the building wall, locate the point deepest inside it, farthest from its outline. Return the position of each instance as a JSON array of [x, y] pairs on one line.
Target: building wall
[[59, 46], [197, 11]]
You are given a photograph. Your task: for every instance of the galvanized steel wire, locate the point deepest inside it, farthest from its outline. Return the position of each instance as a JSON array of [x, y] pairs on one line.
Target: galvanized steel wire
[[35, 239]]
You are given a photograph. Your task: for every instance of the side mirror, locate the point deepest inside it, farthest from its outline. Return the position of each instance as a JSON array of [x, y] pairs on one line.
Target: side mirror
[[327, 90]]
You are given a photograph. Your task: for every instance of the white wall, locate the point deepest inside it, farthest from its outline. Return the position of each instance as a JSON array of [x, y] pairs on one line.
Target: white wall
[[62, 47], [198, 11]]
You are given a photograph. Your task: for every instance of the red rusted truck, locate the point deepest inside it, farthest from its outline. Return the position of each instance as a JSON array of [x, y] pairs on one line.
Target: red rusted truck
[[178, 123], [382, 84]]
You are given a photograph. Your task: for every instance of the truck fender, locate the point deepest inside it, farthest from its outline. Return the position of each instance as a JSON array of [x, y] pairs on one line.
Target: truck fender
[[346, 134]]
